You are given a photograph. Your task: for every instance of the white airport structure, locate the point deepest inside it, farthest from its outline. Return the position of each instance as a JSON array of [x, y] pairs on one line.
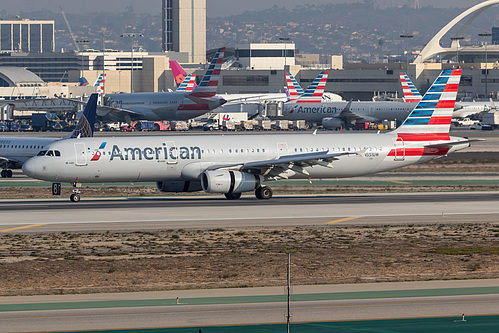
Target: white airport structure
[[265, 56]]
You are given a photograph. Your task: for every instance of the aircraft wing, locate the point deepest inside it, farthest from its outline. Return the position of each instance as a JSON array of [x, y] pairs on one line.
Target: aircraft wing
[[276, 168], [348, 115], [103, 110]]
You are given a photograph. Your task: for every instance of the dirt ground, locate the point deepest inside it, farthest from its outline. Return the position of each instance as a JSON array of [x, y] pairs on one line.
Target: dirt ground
[[62, 263]]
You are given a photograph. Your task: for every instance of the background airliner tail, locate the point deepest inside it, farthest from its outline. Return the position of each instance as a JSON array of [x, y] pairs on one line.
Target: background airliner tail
[[82, 82], [433, 113], [85, 126], [188, 84], [314, 92], [411, 93], [293, 87], [179, 74], [99, 83], [209, 83]]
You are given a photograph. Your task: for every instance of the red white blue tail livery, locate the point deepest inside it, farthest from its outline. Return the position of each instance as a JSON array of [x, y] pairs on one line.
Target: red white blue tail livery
[[314, 92], [294, 88], [433, 113], [411, 93]]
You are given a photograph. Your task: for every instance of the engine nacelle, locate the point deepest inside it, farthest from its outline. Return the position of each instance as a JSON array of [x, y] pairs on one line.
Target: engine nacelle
[[226, 181], [332, 123], [179, 186]]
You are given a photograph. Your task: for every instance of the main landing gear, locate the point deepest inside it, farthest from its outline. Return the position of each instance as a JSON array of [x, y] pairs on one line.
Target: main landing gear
[[262, 192], [75, 197], [6, 173]]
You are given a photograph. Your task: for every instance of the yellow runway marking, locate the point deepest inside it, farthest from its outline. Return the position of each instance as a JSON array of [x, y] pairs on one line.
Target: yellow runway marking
[[344, 219], [23, 227], [399, 182]]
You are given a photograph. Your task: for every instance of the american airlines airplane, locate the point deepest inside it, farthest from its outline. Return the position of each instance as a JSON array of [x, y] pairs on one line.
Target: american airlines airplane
[[14, 151], [175, 105], [233, 164], [336, 114], [294, 90]]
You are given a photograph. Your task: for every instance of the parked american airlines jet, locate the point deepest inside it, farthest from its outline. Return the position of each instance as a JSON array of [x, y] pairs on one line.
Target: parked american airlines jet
[[176, 105], [14, 151], [234, 164]]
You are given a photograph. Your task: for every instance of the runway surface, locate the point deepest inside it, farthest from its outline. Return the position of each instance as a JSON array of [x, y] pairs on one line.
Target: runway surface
[[249, 306], [217, 212]]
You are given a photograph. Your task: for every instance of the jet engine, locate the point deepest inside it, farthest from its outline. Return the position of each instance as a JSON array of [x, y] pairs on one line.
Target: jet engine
[[179, 186], [226, 181], [332, 123]]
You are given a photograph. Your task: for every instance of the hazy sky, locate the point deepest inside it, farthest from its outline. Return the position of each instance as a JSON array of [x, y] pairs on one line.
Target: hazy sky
[[214, 7]]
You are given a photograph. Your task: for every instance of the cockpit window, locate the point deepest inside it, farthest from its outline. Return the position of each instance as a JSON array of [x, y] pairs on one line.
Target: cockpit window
[[50, 153], [42, 153], [57, 153]]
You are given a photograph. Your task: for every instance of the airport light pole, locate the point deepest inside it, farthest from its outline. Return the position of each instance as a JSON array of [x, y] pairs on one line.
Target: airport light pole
[[487, 34], [82, 41], [407, 37], [132, 35], [285, 40], [456, 40]]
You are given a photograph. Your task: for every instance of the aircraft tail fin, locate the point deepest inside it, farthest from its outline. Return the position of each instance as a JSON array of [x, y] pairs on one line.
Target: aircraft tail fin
[[85, 126], [99, 80], [100, 83], [82, 82], [209, 83], [314, 92], [411, 93], [179, 74], [433, 113], [188, 84], [293, 87]]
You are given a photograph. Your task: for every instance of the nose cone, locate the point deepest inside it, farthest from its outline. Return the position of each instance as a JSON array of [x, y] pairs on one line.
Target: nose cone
[[30, 168]]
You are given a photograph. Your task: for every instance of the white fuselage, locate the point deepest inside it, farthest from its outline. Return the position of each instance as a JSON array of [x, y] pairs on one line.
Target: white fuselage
[[16, 150], [369, 111], [145, 159], [155, 106]]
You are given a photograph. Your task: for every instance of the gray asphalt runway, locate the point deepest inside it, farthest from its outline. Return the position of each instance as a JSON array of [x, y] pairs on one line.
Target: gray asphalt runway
[[216, 212], [234, 306]]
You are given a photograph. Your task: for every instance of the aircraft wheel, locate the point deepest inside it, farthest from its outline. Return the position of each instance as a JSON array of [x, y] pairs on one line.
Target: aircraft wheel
[[74, 197], [263, 192], [232, 196], [3, 173], [8, 173]]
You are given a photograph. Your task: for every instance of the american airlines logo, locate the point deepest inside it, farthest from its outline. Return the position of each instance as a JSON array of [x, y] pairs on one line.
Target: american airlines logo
[[98, 154], [314, 109], [155, 153]]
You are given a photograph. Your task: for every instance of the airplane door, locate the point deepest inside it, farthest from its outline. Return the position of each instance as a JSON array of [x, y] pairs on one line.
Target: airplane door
[[282, 148], [172, 152], [81, 154], [399, 150]]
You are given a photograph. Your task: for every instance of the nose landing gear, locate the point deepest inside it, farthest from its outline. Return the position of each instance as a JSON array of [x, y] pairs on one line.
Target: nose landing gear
[[75, 197]]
